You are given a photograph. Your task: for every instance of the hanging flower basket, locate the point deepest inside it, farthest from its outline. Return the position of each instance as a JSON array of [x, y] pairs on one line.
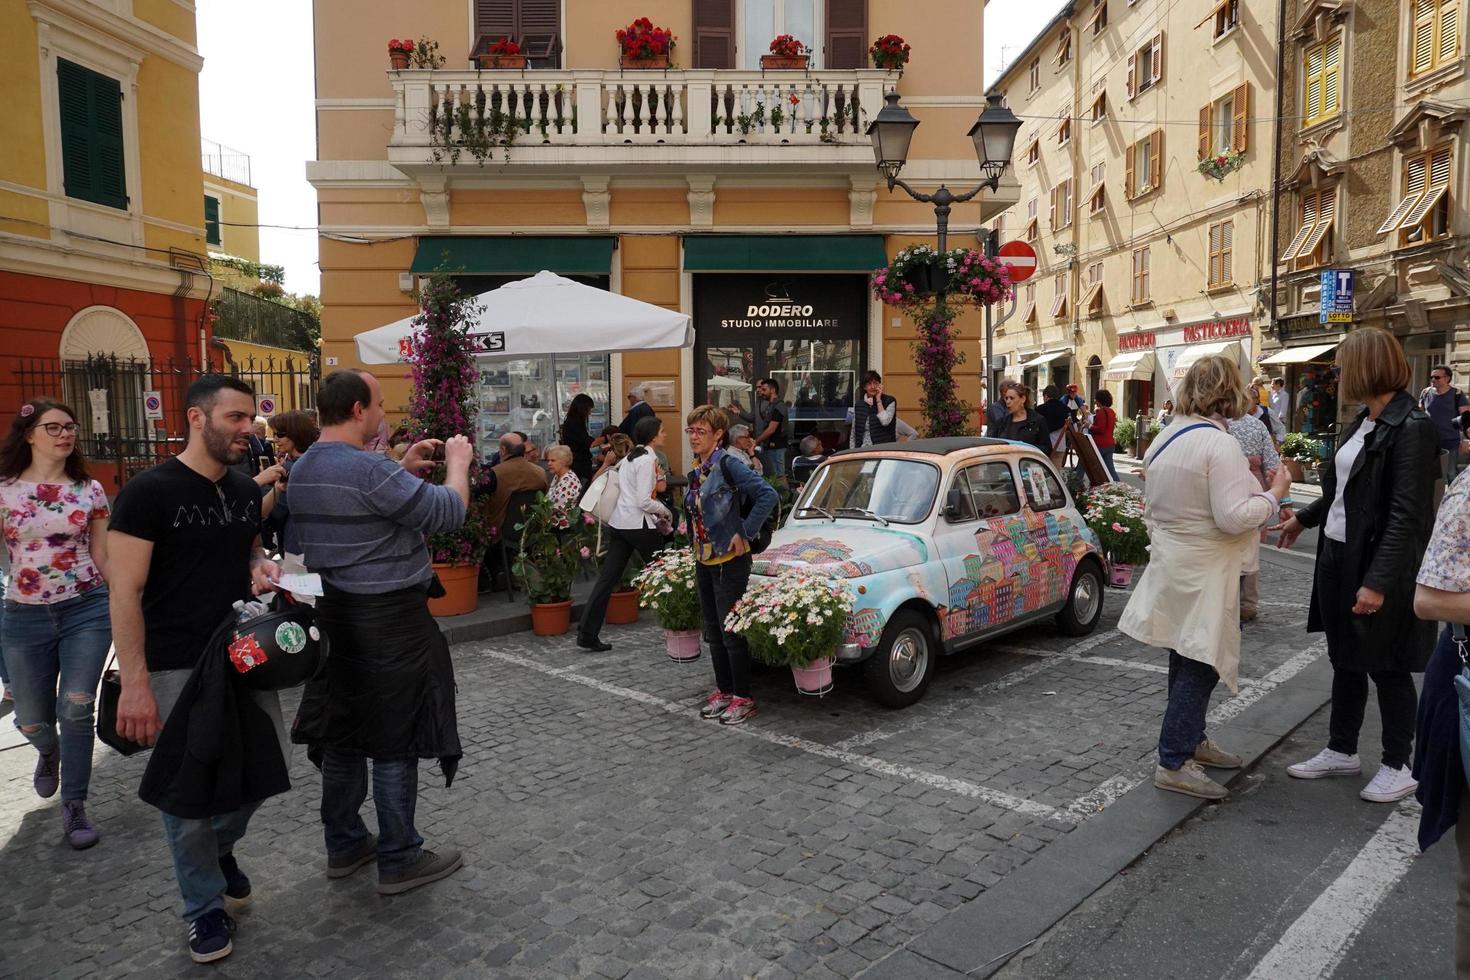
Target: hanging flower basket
[[1222, 165], [890, 52], [917, 272]]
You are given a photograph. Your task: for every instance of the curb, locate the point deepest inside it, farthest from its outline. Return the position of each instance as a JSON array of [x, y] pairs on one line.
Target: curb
[[474, 626], [978, 938]]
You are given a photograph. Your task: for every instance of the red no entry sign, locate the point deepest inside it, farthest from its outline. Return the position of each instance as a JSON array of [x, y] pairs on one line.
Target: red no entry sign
[[1020, 258]]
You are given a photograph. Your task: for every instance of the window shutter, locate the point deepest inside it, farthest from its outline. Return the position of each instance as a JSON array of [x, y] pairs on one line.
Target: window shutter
[[714, 34], [539, 32], [91, 135], [1132, 75], [1227, 236], [847, 34], [1416, 174], [211, 220], [1205, 114], [1332, 77], [496, 18], [1157, 66], [1421, 38], [1240, 121], [1449, 31], [1313, 85], [1439, 168], [1128, 177], [1052, 214], [1156, 159]]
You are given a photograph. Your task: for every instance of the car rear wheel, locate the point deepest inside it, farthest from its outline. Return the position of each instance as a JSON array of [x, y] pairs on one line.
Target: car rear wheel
[[899, 672], [1084, 601]]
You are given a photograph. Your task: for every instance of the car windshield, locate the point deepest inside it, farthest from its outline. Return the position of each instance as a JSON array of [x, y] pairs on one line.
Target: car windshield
[[897, 490]]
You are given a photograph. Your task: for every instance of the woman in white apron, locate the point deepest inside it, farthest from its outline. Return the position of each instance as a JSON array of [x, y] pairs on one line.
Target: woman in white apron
[[1204, 511]]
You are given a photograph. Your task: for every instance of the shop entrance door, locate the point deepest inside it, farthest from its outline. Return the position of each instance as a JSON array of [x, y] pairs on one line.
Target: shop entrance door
[[818, 381]]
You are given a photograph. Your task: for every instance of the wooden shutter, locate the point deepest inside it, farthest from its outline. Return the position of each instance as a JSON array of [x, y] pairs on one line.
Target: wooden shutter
[[1156, 69], [1156, 159], [1332, 77], [91, 135], [1206, 117], [1052, 218], [847, 33], [1132, 85], [1449, 30], [211, 220], [1240, 120], [1313, 85], [1421, 36], [496, 18], [1128, 177], [714, 34], [1439, 168], [533, 24]]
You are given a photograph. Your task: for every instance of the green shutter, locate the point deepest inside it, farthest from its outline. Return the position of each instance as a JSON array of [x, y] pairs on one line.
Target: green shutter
[[91, 135], [211, 220]]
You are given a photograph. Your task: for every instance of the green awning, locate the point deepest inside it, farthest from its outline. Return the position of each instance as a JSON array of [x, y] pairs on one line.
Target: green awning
[[513, 255], [784, 253]]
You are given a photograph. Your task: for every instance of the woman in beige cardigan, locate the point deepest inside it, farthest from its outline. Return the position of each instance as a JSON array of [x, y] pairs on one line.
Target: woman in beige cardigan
[[1203, 509]]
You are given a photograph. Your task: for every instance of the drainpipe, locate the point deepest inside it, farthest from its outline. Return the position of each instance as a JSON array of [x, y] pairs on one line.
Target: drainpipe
[[1076, 160], [1276, 126]]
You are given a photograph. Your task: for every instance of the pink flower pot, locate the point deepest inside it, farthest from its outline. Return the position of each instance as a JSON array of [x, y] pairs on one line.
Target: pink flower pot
[[815, 677], [1121, 575], [682, 645]]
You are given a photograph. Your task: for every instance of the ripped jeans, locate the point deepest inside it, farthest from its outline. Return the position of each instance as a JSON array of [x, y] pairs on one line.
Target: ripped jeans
[[55, 653]]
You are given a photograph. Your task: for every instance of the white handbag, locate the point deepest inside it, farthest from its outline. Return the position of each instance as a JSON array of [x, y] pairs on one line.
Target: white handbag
[[602, 496]]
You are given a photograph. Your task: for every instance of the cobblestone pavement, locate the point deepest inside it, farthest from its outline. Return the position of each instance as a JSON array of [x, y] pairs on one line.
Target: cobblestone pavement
[[608, 832]]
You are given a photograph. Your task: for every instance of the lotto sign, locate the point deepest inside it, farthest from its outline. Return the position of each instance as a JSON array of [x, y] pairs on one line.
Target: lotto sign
[[1337, 295], [266, 405], [1020, 258], [152, 406]]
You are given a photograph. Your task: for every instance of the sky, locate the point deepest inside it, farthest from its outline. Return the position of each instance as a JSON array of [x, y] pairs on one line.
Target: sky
[[257, 96]]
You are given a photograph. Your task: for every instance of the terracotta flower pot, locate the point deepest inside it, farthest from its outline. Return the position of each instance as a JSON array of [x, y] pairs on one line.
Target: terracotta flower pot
[[815, 677], [1294, 468], [551, 618], [622, 608], [781, 61], [682, 646], [508, 62], [662, 61], [1120, 576], [460, 587], [398, 60]]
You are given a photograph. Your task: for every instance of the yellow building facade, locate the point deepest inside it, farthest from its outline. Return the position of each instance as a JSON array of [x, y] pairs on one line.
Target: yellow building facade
[[682, 187], [1144, 164]]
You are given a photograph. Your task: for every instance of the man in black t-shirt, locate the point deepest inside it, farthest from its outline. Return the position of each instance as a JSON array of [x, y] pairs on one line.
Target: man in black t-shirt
[[1055, 411], [183, 546], [770, 427]]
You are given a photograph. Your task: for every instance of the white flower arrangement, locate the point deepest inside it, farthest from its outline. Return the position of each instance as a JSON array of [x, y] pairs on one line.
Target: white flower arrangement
[[1114, 511], [792, 619], [667, 587]]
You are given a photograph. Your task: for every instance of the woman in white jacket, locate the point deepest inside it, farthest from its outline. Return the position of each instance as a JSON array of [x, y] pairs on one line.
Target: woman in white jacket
[[637, 525], [1204, 510]]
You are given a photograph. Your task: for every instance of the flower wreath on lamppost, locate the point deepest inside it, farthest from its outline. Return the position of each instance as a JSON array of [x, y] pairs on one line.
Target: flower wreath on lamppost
[[994, 136]]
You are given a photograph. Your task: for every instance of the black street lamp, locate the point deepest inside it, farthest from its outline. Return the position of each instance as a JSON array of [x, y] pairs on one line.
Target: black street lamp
[[994, 136]]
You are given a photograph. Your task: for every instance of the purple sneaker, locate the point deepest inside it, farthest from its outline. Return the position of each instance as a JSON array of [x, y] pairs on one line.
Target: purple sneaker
[[46, 779], [75, 826]]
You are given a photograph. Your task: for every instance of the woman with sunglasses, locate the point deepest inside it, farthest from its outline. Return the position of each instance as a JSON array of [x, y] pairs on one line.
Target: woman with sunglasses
[[57, 630]]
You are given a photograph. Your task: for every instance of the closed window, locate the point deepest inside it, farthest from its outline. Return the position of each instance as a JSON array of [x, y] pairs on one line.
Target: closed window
[[91, 135], [1322, 79], [1141, 261], [765, 19], [1434, 34], [1035, 74], [959, 501], [1145, 161], [1221, 257], [1043, 491], [1061, 205], [1423, 213], [993, 489], [1146, 66], [211, 220], [1311, 246]]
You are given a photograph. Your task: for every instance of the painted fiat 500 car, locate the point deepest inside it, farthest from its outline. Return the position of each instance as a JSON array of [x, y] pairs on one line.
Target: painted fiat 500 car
[[944, 543]]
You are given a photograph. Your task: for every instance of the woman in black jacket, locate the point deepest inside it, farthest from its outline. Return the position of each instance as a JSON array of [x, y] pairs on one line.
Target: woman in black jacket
[[576, 437], [1022, 423], [1376, 514]]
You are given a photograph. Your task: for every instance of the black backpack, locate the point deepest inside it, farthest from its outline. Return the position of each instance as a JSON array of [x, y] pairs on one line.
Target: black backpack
[[762, 539]]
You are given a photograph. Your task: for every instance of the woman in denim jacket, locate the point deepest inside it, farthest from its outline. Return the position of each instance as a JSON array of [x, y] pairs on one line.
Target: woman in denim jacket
[[719, 487]]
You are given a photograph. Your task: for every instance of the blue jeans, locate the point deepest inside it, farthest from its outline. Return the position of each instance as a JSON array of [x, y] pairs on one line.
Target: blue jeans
[[395, 796], [1107, 458], [773, 461], [720, 587], [197, 846], [1190, 685], [57, 652]]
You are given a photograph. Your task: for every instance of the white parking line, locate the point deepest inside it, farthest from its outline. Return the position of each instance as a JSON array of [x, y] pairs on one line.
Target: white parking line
[[959, 787], [1314, 945]]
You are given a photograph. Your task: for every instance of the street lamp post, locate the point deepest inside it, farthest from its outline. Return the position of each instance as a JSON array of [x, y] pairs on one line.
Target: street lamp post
[[994, 136]]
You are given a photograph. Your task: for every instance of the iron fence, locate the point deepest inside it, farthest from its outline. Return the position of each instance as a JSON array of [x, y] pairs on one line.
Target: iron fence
[[132, 411], [256, 320]]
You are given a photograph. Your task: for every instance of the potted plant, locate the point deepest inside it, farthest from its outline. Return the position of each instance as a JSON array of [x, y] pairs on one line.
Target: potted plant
[[642, 45], [1125, 432], [441, 358], [399, 51], [425, 54], [546, 564], [794, 620], [918, 271], [1114, 512], [1222, 165], [786, 52], [1146, 437], [504, 54], [890, 52], [667, 586], [622, 605], [1300, 453]]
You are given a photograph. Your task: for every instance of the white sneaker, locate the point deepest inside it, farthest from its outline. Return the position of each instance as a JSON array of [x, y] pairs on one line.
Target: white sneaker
[[1326, 763], [1390, 785]]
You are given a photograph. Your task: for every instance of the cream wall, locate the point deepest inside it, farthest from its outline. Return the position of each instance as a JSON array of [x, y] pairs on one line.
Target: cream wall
[[239, 215]]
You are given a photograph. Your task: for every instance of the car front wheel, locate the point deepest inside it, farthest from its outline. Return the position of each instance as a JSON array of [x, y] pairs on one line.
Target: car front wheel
[[898, 673], [1084, 601]]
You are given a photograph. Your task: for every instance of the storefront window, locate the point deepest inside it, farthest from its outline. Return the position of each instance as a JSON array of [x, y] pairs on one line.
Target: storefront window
[[1313, 398], [532, 395]]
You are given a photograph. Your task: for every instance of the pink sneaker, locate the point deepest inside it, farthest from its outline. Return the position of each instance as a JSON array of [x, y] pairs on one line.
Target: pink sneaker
[[739, 710], [715, 704]]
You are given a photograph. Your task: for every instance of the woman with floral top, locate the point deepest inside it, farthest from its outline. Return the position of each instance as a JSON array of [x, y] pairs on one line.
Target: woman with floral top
[[57, 630], [566, 486]]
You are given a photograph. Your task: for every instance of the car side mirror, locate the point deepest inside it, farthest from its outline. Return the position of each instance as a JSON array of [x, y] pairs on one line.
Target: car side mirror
[[950, 512]]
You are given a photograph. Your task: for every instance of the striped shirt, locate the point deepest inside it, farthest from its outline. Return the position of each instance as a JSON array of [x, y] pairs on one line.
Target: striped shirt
[[361, 518]]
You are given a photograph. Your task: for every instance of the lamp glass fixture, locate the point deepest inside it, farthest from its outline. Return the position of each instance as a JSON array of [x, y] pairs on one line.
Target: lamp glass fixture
[[891, 132], [994, 136]]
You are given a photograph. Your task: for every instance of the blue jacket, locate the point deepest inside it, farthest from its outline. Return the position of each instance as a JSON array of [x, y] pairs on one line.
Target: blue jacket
[[719, 503]]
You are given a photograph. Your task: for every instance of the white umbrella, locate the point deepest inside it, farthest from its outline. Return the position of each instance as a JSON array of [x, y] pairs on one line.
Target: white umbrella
[[547, 314]]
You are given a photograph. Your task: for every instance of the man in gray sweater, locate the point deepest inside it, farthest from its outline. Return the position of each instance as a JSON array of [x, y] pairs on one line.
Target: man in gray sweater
[[388, 690]]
